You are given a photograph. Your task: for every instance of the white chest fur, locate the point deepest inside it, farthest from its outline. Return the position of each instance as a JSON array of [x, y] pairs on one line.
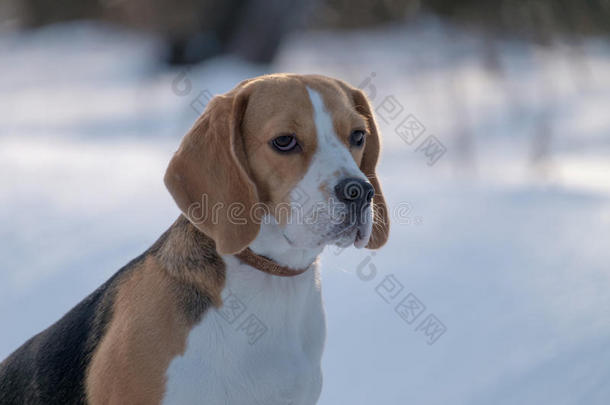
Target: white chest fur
[[264, 346]]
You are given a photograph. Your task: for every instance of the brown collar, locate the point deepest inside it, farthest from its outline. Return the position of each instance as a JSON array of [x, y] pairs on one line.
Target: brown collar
[[267, 265]]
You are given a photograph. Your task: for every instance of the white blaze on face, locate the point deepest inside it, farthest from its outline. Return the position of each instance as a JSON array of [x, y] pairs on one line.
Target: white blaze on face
[[331, 162]]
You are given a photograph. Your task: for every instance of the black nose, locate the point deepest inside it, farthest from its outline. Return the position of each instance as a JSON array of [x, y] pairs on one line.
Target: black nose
[[354, 191]]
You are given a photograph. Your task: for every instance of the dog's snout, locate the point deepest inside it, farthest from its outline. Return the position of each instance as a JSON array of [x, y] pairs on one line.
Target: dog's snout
[[354, 191]]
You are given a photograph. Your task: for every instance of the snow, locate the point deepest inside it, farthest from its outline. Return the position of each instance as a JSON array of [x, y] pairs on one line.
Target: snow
[[510, 254]]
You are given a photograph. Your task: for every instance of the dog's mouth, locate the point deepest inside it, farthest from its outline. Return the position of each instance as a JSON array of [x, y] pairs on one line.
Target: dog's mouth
[[363, 234], [359, 237], [354, 233], [343, 230]]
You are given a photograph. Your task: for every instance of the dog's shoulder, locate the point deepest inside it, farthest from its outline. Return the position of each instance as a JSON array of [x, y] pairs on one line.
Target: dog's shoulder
[[173, 282], [154, 309], [49, 367]]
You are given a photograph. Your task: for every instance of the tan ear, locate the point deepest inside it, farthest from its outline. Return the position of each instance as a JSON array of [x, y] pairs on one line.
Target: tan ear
[[207, 176], [381, 219]]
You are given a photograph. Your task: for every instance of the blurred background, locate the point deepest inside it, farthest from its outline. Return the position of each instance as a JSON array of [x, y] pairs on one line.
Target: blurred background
[[495, 118]]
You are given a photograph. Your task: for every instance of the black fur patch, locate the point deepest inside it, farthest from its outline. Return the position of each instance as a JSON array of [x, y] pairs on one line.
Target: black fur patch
[[50, 368]]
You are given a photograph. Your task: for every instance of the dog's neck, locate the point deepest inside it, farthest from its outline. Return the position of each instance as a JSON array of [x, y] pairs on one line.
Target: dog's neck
[[272, 243]]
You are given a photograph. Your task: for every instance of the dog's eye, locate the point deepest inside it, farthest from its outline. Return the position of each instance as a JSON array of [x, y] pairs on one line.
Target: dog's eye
[[285, 143], [357, 138]]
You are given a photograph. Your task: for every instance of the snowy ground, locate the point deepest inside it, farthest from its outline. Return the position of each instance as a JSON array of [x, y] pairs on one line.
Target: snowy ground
[[510, 256]]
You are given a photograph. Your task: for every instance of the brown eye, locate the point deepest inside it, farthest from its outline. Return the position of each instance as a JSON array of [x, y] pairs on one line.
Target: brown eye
[[357, 138], [285, 143]]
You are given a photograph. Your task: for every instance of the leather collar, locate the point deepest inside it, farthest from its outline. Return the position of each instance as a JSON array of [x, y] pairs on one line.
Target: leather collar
[[267, 265]]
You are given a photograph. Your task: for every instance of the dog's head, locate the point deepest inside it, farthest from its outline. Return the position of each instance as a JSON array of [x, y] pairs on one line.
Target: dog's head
[[300, 150]]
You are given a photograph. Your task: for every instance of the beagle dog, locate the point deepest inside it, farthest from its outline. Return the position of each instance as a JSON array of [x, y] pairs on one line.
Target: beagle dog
[[226, 308]]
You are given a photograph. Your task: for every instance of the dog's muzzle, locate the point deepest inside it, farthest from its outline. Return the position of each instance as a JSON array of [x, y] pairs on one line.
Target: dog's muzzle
[[356, 195]]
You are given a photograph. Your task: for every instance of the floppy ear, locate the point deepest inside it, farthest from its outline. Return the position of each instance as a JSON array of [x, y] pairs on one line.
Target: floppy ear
[[381, 220], [207, 176]]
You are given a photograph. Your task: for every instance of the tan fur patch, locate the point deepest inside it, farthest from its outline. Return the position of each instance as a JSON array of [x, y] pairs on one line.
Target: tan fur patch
[[278, 105], [146, 332], [155, 307], [208, 174]]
